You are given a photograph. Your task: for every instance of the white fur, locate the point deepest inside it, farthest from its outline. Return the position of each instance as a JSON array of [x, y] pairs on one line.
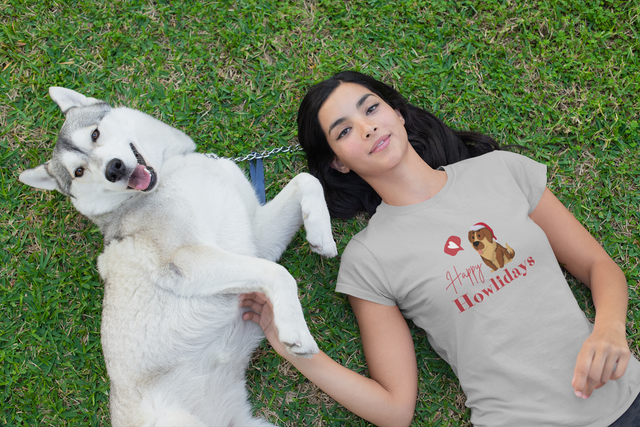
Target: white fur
[[67, 98], [175, 260]]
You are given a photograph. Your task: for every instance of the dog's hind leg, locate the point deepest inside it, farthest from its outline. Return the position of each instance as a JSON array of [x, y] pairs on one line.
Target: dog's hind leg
[[301, 201]]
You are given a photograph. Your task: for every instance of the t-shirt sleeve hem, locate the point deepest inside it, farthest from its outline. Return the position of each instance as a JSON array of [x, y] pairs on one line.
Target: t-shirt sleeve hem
[[360, 293], [541, 184]]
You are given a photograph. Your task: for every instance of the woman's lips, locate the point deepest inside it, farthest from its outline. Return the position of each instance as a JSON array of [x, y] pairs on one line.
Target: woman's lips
[[380, 144]]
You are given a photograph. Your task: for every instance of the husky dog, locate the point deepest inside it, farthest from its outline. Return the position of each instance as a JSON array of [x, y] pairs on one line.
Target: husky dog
[[184, 235]]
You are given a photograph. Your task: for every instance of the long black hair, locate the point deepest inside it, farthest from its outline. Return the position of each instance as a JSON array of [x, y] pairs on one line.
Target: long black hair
[[348, 194]]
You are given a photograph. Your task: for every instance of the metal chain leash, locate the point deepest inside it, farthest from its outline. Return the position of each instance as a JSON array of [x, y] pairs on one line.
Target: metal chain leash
[[256, 168], [254, 155]]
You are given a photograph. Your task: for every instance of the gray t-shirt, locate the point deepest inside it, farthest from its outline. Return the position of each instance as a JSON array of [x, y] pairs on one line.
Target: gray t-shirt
[[479, 276]]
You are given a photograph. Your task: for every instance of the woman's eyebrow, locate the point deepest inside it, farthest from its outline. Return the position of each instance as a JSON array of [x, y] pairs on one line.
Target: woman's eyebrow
[[361, 101], [336, 123], [342, 119]]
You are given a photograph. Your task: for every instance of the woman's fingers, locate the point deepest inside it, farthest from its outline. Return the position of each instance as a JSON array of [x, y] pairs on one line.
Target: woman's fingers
[[600, 360]]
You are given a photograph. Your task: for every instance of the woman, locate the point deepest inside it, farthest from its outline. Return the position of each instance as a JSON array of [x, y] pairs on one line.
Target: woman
[[498, 311]]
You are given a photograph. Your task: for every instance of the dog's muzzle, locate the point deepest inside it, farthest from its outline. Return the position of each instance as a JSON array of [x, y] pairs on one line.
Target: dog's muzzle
[[142, 177]]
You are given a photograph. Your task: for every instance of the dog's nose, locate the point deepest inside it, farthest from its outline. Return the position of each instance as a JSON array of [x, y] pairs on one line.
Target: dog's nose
[[476, 244], [115, 170]]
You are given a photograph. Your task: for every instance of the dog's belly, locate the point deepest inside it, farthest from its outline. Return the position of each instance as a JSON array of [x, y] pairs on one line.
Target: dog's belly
[[156, 331], [159, 347]]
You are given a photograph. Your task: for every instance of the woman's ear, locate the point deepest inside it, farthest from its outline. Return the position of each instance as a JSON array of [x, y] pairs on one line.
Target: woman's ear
[[339, 166], [399, 115]]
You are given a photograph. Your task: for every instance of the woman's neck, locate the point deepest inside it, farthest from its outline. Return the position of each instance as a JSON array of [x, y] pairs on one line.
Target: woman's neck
[[413, 181]]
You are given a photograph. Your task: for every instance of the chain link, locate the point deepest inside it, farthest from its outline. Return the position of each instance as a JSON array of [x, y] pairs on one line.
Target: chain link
[[253, 156]]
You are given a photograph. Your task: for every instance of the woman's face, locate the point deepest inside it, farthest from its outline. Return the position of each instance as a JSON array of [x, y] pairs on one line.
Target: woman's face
[[365, 133]]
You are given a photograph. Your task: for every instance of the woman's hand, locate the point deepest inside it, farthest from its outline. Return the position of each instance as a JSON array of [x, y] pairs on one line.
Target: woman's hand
[[262, 314], [604, 356]]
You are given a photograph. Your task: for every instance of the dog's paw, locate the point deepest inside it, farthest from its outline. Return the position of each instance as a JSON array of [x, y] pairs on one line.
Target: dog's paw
[[322, 243], [318, 227], [316, 218], [301, 350], [298, 342]]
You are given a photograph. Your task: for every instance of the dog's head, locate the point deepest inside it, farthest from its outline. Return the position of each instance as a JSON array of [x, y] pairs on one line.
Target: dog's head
[[480, 238], [103, 155]]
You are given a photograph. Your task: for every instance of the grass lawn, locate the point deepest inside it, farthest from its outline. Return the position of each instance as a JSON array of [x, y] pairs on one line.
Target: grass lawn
[[561, 77]]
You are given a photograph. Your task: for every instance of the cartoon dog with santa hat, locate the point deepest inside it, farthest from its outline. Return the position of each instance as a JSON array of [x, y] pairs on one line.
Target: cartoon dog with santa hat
[[485, 243]]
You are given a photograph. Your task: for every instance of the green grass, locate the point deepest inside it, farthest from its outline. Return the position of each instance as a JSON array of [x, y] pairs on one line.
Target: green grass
[[560, 77]]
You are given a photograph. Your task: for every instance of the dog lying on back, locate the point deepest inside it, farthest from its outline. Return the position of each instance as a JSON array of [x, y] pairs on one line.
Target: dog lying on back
[[184, 235], [493, 254]]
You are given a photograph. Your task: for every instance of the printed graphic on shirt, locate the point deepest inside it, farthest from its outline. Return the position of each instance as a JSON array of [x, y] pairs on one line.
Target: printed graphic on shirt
[[453, 246], [473, 286], [485, 243], [495, 284]]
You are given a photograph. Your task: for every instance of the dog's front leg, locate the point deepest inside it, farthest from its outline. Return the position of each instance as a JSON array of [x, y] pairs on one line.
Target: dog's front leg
[[300, 201], [201, 271]]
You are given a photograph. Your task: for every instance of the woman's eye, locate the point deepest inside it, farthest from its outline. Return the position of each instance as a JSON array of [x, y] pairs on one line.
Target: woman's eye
[[78, 172], [343, 133], [95, 134], [372, 108]]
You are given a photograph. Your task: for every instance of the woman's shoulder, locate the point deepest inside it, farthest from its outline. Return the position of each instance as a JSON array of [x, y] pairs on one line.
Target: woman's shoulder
[[501, 166], [497, 156], [496, 160], [356, 250], [369, 237], [361, 238]]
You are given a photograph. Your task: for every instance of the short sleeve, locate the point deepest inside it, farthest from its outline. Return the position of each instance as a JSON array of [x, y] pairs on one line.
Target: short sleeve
[[362, 276], [529, 175]]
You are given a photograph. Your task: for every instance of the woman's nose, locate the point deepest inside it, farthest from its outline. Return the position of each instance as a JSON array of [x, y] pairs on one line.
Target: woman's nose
[[369, 129]]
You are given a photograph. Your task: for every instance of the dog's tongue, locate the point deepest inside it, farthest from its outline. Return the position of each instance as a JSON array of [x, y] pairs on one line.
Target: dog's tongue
[[140, 178]]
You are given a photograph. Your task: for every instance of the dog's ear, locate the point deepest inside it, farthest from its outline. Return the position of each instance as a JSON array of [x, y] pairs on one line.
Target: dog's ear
[[38, 177], [67, 98]]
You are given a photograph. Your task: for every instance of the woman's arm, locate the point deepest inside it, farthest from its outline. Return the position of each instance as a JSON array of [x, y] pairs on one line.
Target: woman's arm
[[578, 252], [388, 397]]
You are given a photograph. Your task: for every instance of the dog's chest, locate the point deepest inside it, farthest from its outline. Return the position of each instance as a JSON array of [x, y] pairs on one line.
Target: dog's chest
[[216, 208]]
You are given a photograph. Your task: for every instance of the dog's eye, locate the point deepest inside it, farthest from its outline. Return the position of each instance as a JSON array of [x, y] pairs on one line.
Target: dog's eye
[[95, 134], [78, 172]]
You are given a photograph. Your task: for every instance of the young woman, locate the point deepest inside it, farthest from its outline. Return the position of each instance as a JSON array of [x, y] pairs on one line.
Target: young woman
[[466, 241]]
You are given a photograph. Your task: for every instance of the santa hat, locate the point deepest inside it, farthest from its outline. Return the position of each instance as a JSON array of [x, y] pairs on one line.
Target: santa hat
[[480, 225]]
